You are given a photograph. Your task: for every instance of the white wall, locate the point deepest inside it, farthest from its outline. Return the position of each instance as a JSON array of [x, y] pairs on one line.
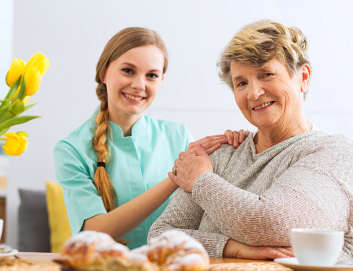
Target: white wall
[[6, 22], [73, 33]]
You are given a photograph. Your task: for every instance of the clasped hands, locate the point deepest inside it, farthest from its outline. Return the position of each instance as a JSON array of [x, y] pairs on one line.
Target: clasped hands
[[189, 166], [195, 161]]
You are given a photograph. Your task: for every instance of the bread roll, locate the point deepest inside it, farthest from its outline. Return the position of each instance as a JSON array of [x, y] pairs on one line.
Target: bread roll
[[172, 251], [90, 250]]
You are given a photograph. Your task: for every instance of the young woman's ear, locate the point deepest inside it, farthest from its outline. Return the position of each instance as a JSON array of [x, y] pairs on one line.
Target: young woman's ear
[[162, 77], [105, 72]]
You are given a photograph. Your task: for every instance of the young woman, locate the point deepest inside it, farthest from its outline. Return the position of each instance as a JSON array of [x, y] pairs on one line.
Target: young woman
[[113, 168]]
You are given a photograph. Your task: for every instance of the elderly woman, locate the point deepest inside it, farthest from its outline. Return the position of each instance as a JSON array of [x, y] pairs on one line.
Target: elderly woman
[[286, 175]]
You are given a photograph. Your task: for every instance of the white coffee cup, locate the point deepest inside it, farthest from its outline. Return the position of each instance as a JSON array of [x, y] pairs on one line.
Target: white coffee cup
[[1, 226], [317, 247]]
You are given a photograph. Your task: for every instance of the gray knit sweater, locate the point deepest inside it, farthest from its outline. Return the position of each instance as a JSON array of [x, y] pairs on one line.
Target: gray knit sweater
[[256, 199]]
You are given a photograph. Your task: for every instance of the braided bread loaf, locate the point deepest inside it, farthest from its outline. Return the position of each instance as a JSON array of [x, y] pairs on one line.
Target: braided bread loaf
[[172, 251], [89, 250], [176, 251]]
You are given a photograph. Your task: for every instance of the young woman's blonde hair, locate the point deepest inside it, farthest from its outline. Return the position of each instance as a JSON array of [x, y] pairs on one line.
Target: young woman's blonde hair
[[122, 42], [261, 42]]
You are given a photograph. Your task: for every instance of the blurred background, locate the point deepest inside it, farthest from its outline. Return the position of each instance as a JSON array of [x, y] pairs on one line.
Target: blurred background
[[72, 35]]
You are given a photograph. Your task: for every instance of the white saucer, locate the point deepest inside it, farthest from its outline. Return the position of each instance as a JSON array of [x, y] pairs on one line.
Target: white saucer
[[294, 264], [8, 254]]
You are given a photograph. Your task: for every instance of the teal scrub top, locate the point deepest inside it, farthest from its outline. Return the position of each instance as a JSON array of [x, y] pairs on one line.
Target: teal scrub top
[[137, 163]]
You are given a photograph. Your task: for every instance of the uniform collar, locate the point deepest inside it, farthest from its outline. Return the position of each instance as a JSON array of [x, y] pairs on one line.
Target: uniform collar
[[137, 128]]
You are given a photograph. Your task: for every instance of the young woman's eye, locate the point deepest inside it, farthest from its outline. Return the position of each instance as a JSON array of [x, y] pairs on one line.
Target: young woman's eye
[[153, 75], [127, 70]]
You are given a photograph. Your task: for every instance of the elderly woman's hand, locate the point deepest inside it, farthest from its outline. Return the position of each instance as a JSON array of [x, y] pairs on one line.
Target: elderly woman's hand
[[188, 167], [234, 249]]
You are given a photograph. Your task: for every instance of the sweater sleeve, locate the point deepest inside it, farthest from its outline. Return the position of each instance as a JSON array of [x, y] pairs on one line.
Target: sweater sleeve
[[184, 214], [302, 197]]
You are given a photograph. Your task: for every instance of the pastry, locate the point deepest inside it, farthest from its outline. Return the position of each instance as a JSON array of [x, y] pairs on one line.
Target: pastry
[[176, 251], [172, 251], [135, 262], [90, 250]]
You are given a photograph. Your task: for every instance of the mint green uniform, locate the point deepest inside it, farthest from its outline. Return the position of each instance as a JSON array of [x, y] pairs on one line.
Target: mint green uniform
[[138, 162]]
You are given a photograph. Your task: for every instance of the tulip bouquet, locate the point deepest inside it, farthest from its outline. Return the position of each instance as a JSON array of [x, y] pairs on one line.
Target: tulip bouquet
[[23, 80]]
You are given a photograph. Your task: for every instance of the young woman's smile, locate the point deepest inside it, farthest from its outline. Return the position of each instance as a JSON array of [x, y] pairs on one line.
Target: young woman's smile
[[133, 98]]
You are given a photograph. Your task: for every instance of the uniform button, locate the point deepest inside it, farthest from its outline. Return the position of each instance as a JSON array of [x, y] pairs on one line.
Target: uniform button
[[138, 229], [137, 186]]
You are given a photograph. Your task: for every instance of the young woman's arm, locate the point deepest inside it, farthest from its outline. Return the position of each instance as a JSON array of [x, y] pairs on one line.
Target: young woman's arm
[[128, 216]]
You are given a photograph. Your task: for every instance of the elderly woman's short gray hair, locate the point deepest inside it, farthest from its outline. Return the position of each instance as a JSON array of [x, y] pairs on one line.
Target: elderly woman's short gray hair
[[261, 42]]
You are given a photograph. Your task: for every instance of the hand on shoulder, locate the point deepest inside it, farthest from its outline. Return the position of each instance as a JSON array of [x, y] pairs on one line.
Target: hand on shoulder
[[212, 143]]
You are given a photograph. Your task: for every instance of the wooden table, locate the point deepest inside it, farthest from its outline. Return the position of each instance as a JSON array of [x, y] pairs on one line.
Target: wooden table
[[48, 257]]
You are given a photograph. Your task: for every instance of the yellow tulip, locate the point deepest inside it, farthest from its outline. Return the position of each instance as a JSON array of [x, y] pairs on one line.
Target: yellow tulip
[[35, 60], [32, 78], [15, 71], [25, 100], [16, 143], [43, 66], [40, 61]]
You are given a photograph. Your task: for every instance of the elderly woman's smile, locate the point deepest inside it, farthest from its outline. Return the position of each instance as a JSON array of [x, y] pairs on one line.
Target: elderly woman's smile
[[268, 95], [263, 106]]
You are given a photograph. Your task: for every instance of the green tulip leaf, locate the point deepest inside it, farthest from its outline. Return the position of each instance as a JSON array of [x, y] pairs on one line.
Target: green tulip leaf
[[3, 131], [10, 94], [3, 112], [17, 120], [17, 108], [29, 106], [22, 93]]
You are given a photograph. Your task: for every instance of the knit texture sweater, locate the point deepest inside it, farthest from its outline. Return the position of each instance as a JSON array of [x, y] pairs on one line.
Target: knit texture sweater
[[303, 182]]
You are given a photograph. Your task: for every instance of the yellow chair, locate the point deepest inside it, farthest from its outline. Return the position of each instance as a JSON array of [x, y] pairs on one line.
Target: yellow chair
[[59, 225]]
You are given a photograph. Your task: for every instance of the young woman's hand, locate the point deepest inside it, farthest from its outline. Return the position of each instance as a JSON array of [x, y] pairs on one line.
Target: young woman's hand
[[234, 249], [235, 138], [212, 143]]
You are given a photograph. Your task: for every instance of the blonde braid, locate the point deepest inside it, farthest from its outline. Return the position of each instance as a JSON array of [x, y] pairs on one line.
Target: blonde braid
[[101, 178]]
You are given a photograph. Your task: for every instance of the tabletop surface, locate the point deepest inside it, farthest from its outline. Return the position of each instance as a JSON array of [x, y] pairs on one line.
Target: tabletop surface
[[48, 257]]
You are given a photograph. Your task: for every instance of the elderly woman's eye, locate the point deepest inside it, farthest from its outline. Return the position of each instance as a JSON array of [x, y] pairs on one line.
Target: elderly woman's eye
[[267, 74], [241, 84]]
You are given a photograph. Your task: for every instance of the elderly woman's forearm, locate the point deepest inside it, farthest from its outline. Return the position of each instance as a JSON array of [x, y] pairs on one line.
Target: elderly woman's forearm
[[214, 243], [253, 219], [182, 212]]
